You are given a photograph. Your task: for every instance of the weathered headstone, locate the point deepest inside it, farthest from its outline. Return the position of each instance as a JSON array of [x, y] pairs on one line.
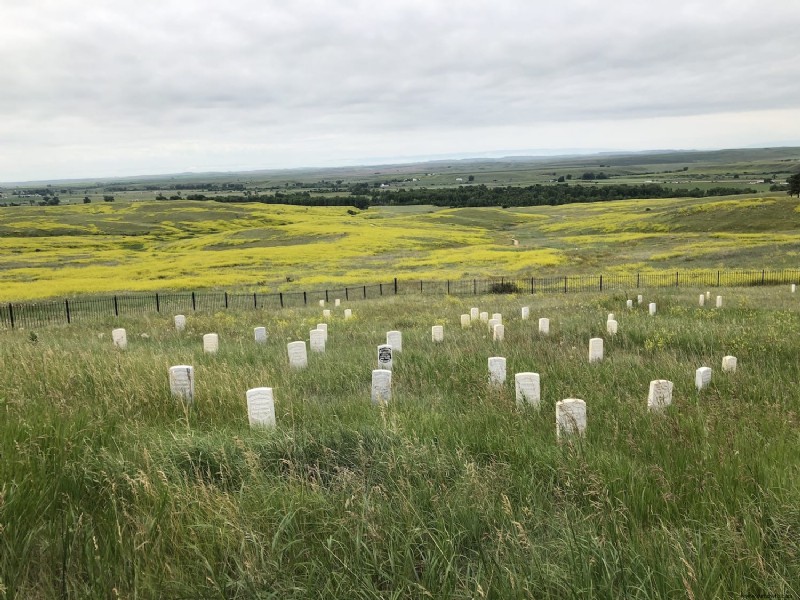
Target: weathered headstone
[[326, 314], [595, 350], [639, 299], [527, 389], [794, 288], [629, 303], [526, 312], [324, 328], [570, 417], [260, 334], [729, 364], [381, 386], [474, 313], [660, 394], [701, 299], [260, 407], [497, 371], [719, 301], [499, 332], [385, 353], [348, 314], [395, 340], [544, 326], [180, 322], [120, 338], [322, 303], [708, 295], [497, 317], [484, 317], [317, 340], [181, 382], [298, 357], [702, 377], [611, 317], [466, 321], [210, 343], [612, 326], [437, 333], [652, 308], [492, 323], [337, 302]]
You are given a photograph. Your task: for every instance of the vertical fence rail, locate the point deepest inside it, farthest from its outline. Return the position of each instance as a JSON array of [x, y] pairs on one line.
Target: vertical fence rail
[[15, 315]]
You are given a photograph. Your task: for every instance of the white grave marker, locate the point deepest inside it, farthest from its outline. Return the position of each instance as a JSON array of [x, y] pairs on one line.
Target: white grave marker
[[381, 386], [260, 334], [719, 301], [526, 312], [611, 317], [497, 317], [484, 317], [337, 302], [395, 340], [260, 407], [570, 417], [466, 321], [492, 323], [794, 288], [180, 322], [326, 314], [298, 357], [497, 370], [595, 350], [437, 333], [527, 389], [612, 327], [317, 340], [729, 364], [708, 295], [499, 332], [324, 328], [348, 314], [385, 352], [544, 326], [652, 308], [660, 394], [210, 343], [702, 377], [181, 382], [629, 303], [474, 313], [120, 338], [322, 303], [701, 300], [639, 299]]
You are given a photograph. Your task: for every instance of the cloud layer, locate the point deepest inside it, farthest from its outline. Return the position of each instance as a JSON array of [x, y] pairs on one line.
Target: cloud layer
[[102, 88]]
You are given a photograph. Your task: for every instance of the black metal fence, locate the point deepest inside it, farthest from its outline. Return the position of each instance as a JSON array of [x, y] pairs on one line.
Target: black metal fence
[[39, 314]]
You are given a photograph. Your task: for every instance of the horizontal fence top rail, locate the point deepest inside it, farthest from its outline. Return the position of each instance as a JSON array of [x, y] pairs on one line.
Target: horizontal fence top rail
[[52, 312]]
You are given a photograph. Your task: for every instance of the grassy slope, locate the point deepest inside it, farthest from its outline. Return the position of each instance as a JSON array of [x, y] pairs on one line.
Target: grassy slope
[[190, 245], [111, 489]]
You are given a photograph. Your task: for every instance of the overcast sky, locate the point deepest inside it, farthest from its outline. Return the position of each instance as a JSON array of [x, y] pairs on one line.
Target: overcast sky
[[97, 88]]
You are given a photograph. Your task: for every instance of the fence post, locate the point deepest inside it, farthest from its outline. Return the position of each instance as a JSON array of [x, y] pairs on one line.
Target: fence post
[[281, 297], [448, 287], [116, 307], [601, 283], [763, 273], [380, 288], [395, 286], [365, 291], [11, 314], [717, 278], [475, 287], [346, 294], [420, 286], [637, 280], [326, 295], [226, 299], [66, 304], [305, 298], [565, 284], [194, 302], [532, 286], [158, 304], [676, 279], [255, 300]]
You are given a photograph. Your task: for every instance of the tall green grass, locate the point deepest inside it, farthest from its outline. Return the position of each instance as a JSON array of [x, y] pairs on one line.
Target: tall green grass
[[111, 488]]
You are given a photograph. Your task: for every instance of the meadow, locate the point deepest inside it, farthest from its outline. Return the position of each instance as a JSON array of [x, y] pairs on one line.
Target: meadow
[[137, 246], [114, 489]]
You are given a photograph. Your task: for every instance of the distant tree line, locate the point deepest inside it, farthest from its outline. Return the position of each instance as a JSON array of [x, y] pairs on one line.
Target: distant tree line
[[537, 195]]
